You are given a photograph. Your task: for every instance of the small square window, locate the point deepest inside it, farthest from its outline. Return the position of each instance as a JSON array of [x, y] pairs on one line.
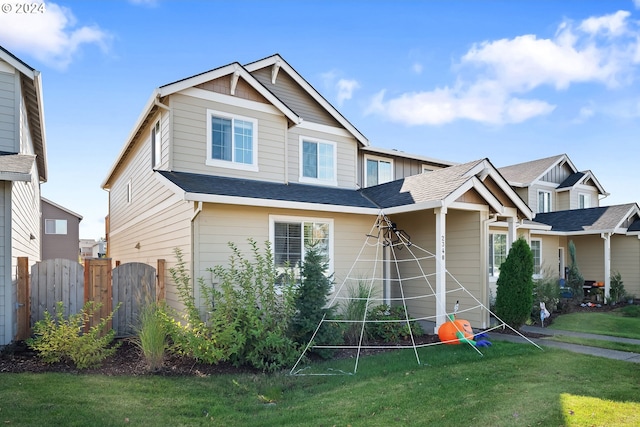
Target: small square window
[[231, 141], [55, 226], [378, 171], [317, 161]]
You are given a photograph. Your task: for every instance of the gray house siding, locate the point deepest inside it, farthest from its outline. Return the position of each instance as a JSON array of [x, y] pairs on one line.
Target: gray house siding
[[57, 244]]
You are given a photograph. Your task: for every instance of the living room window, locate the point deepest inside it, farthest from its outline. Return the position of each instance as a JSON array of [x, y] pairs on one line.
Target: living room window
[[378, 171], [497, 252], [317, 160], [292, 236], [231, 141], [55, 226], [544, 201]]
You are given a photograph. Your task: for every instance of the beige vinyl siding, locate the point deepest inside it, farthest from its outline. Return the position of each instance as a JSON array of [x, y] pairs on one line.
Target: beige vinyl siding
[[289, 92], [549, 261], [402, 166], [8, 111], [533, 197], [217, 225], [625, 259], [575, 197], [590, 256], [463, 261], [156, 219], [564, 201], [345, 155], [190, 139], [6, 286]]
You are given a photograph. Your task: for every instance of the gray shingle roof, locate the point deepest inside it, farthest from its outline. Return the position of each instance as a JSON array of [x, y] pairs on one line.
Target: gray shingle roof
[[603, 218], [424, 187], [236, 187], [526, 173], [14, 165], [571, 180]]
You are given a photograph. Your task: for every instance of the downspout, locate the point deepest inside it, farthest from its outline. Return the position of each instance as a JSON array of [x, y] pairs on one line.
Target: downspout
[[195, 264], [493, 217]]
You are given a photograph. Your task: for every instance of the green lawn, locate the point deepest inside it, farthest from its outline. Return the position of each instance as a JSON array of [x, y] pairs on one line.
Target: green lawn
[[511, 385], [612, 323]]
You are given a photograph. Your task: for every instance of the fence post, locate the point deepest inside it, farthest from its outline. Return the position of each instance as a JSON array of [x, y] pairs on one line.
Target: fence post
[[23, 306], [160, 284]]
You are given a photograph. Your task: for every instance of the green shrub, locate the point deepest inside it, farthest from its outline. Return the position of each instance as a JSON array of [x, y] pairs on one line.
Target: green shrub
[[389, 324], [310, 303], [546, 289], [617, 292], [631, 311], [575, 281], [59, 339], [514, 295]]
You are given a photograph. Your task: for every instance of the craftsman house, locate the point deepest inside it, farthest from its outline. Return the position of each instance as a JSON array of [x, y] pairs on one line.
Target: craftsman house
[[567, 206], [23, 166], [254, 151]]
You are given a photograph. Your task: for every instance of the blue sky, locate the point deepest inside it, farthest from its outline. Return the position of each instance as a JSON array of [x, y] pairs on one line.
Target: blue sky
[[457, 80]]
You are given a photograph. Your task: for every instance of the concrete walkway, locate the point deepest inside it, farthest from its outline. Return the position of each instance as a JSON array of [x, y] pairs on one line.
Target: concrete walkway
[[594, 351]]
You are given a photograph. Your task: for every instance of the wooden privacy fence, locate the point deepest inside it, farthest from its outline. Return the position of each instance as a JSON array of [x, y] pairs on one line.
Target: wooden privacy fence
[[54, 280]]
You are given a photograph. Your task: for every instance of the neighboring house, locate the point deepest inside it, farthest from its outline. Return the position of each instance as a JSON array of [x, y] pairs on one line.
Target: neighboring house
[[60, 231], [254, 151], [23, 166], [567, 206], [90, 248]]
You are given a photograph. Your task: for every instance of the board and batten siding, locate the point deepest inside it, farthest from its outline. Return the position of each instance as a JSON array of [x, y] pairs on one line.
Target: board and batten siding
[[289, 92], [9, 108], [190, 139], [218, 225]]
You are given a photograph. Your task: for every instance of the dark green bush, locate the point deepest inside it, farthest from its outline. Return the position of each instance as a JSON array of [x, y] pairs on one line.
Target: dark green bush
[[389, 324], [514, 295], [575, 281], [311, 298]]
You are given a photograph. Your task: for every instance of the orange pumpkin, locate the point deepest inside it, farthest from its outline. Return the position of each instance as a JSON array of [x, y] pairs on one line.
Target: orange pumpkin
[[449, 331]]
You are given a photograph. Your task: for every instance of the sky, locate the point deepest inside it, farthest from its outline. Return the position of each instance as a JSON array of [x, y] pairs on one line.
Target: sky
[[511, 81]]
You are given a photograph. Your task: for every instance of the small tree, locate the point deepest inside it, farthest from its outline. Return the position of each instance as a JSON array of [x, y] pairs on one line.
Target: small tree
[[575, 281], [514, 296], [310, 302]]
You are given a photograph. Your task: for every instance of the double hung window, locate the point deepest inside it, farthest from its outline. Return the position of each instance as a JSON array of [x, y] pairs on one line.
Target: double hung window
[[536, 249], [318, 161], [378, 171], [497, 253], [544, 201], [231, 141]]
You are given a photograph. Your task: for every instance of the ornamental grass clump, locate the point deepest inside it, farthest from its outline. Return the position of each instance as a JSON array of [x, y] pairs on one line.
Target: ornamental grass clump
[[152, 334]]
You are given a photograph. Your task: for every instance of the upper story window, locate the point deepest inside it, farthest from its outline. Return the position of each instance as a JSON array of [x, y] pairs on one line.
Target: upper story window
[[378, 171], [231, 141], [544, 201], [584, 201], [55, 226], [317, 161], [497, 252], [156, 148]]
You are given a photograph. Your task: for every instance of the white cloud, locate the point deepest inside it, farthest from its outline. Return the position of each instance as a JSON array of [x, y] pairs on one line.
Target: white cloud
[[345, 89], [51, 37], [417, 68], [494, 77]]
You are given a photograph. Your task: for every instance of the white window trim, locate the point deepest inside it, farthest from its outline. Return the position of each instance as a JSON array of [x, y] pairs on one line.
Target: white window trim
[[540, 274], [305, 179], [377, 159], [540, 192], [493, 277], [156, 144], [253, 167], [302, 219], [587, 199], [56, 227]]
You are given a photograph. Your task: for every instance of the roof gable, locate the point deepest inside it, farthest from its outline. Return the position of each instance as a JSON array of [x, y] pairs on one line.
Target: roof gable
[[525, 174], [601, 219], [269, 70]]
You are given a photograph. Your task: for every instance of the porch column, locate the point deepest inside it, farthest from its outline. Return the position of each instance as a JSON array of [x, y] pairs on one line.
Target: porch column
[[441, 267], [607, 264], [511, 233]]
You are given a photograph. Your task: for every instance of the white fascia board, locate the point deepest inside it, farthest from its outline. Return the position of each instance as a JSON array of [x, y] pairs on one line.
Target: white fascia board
[[311, 91], [18, 65], [423, 206], [331, 130], [145, 112], [221, 72], [269, 203]]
